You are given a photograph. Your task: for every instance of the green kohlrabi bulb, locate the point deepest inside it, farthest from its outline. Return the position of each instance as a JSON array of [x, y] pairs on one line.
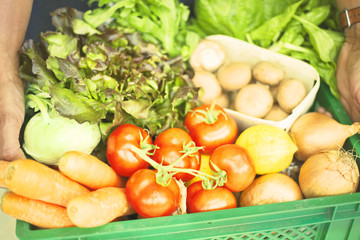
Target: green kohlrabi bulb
[[48, 137]]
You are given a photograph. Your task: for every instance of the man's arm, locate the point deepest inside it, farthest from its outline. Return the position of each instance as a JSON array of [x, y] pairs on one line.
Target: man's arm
[[347, 4], [348, 65], [14, 18]]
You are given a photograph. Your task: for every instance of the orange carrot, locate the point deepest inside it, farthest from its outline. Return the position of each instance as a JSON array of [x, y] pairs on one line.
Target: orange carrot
[[3, 166], [99, 207], [89, 170], [35, 180], [38, 213]]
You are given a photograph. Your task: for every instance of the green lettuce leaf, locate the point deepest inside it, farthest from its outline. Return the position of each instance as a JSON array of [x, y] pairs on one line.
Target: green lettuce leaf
[[308, 30], [159, 22], [60, 45], [109, 77]]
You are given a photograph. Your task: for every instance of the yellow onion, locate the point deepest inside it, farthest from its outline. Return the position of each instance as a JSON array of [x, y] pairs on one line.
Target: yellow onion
[[270, 188], [328, 173], [314, 132]]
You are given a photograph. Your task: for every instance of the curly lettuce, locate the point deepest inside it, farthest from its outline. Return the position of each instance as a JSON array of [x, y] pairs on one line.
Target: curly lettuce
[[106, 75]]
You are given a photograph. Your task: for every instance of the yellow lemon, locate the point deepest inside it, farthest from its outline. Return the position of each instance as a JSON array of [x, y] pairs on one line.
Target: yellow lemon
[[270, 148], [204, 167]]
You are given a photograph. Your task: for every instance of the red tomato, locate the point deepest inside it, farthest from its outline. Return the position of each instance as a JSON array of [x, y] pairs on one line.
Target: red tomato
[[234, 160], [192, 189], [210, 127], [202, 200], [172, 136], [119, 154], [150, 199], [171, 143]]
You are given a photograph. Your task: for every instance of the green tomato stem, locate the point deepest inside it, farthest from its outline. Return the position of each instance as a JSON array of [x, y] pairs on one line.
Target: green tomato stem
[[148, 148], [210, 116], [188, 149], [166, 172]]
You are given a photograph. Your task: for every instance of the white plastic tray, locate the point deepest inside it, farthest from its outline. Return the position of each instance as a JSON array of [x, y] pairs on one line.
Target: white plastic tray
[[238, 50]]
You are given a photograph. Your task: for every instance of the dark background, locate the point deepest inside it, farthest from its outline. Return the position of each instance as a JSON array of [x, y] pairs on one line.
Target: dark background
[[40, 20]]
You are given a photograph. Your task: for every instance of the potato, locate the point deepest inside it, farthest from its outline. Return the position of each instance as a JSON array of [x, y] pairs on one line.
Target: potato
[[223, 100], [254, 100], [267, 73], [209, 84], [273, 90], [208, 56], [276, 114], [290, 93], [234, 76]]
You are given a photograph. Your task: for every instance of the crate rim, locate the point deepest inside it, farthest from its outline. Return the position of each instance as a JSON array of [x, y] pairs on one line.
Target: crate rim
[[217, 218]]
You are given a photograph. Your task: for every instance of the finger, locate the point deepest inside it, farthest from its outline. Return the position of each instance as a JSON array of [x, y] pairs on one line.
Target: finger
[[9, 141], [324, 111], [354, 114], [14, 154]]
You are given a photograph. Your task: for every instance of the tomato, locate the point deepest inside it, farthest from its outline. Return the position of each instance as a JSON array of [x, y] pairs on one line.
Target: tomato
[[172, 136], [203, 200], [209, 126], [148, 198], [192, 189], [234, 160], [119, 154], [169, 154], [172, 144]]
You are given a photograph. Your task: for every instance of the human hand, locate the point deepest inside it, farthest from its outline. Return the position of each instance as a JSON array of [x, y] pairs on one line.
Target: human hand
[[12, 113], [348, 73]]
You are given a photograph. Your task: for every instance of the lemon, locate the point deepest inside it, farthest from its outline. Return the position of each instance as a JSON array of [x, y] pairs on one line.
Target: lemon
[[270, 148]]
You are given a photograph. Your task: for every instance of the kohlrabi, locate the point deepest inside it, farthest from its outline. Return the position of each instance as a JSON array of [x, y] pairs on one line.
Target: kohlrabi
[[48, 135]]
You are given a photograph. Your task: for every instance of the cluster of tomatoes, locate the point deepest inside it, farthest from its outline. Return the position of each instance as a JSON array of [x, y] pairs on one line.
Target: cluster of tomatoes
[[155, 167]]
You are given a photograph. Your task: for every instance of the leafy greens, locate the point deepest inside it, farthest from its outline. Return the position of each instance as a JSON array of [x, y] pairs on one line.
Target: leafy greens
[[304, 29], [106, 75], [160, 22]]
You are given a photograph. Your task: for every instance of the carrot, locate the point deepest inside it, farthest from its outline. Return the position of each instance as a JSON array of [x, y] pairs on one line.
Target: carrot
[[3, 166], [35, 212], [99, 207], [89, 170], [35, 180]]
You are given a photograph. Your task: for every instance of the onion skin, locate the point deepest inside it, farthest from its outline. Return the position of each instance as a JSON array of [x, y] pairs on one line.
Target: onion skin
[[329, 173], [314, 132], [270, 188]]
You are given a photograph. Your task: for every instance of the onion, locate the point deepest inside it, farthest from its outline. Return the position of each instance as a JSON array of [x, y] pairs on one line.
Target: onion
[[328, 173], [270, 188], [314, 132]]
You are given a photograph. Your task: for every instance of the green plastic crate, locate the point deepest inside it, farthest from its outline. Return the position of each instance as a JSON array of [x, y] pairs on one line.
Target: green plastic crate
[[328, 218]]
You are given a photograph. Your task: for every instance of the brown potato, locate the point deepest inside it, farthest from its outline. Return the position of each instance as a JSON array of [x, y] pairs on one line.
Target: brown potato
[[290, 93], [276, 114], [223, 100], [210, 87], [267, 73], [254, 100], [208, 56], [273, 90], [234, 76]]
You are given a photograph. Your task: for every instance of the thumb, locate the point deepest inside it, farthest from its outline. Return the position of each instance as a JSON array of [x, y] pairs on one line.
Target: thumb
[[9, 142], [13, 153]]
